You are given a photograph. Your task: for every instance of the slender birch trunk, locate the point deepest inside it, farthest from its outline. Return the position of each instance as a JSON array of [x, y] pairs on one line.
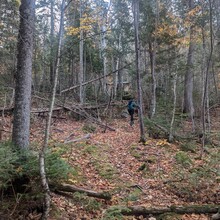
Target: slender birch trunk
[[174, 108], [103, 49], [152, 49], [47, 199], [52, 53]]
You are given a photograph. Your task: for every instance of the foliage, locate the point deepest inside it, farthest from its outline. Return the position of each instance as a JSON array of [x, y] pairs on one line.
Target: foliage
[[57, 168], [18, 164], [189, 146], [183, 159], [90, 204], [8, 167], [194, 180], [113, 213]]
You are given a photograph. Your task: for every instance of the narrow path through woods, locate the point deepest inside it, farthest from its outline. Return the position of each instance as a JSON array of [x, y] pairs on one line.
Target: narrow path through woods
[[115, 160]]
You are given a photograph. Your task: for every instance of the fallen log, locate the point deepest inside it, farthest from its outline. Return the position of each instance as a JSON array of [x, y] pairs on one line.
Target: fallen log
[[68, 140], [8, 110], [45, 110], [144, 211], [73, 189]]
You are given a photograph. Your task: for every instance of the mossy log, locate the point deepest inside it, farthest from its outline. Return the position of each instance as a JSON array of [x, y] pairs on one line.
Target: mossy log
[[73, 189], [144, 211]]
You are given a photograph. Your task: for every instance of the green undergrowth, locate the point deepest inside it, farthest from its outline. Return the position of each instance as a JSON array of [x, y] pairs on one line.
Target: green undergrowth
[[20, 181], [195, 180], [99, 158], [89, 203]]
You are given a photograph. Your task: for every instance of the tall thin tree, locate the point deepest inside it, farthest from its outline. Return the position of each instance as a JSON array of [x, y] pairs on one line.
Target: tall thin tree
[[188, 86], [47, 130], [137, 62], [205, 101], [22, 110], [81, 59]]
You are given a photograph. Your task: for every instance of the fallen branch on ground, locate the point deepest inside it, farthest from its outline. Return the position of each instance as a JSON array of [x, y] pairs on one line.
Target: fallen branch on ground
[[73, 189], [84, 114], [144, 211], [87, 136]]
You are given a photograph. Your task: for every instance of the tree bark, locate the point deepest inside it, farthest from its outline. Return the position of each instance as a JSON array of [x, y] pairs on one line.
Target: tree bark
[[81, 60], [188, 85], [193, 209], [45, 185], [174, 108], [205, 101], [21, 121], [52, 52], [137, 62], [152, 53], [73, 189]]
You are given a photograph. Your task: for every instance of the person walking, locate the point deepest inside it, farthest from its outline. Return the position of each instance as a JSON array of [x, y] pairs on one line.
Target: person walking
[[131, 107]]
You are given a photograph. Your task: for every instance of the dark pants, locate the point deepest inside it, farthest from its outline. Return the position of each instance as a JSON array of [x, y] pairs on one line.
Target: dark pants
[[131, 113]]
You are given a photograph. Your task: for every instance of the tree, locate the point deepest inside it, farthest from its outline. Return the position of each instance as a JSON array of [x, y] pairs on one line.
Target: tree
[[137, 62], [81, 56], [47, 130], [188, 86], [9, 24], [21, 122]]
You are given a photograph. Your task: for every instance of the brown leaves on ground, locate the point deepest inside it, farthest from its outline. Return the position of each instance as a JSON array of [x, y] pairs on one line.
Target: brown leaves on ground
[[135, 174]]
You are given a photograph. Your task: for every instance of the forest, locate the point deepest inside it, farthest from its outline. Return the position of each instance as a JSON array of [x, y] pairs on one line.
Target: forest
[[72, 146]]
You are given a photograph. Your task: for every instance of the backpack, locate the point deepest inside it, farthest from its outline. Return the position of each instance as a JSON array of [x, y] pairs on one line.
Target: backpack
[[130, 105]]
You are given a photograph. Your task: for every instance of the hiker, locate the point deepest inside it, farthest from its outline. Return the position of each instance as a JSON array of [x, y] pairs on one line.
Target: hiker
[[131, 107]]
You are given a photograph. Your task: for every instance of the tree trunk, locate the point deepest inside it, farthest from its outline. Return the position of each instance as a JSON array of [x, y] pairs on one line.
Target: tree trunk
[[81, 72], [205, 101], [104, 58], [47, 130], [21, 121], [188, 85], [174, 109], [52, 53], [137, 62], [144, 211], [152, 53], [73, 189]]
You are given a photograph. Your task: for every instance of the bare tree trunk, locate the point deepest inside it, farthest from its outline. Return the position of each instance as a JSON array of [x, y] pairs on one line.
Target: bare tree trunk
[[152, 51], [205, 103], [153, 85], [21, 121], [81, 48], [174, 108], [47, 130], [137, 62], [42, 80], [52, 53], [188, 86], [103, 49]]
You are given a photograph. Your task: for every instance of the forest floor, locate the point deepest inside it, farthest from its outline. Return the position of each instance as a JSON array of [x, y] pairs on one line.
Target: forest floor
[[156, 174]]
